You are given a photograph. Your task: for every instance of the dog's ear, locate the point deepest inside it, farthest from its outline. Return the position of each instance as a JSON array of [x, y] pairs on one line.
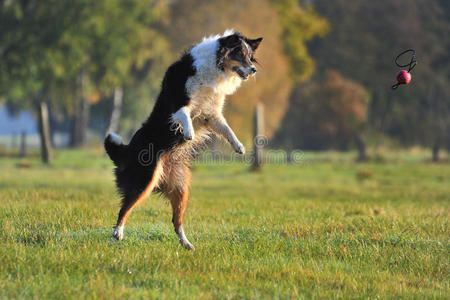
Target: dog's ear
[[254, 43], [229, 41]]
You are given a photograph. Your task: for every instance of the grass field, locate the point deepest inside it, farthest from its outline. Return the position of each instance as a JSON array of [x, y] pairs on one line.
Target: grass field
[[319, 229]]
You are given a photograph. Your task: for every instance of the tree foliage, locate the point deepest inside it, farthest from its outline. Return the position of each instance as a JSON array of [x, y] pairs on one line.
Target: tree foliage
[[298, 26], [47, 45], [327, 113]]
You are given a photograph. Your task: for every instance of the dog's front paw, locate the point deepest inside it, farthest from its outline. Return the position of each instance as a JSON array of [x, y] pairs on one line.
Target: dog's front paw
[[188, 133], [118, 233], [239, 148]]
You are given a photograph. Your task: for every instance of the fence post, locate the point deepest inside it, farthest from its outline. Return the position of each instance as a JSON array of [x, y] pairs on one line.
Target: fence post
[[44, 128], [259, 138]]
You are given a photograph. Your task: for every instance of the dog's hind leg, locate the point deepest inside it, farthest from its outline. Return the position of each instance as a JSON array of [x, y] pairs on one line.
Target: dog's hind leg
[[178, 183], [140, 190]]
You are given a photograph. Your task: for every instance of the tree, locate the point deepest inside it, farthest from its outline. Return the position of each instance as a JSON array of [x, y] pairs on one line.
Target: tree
[[299, 25], [69, 53], [118, 43], [29, 31], [326, 113]]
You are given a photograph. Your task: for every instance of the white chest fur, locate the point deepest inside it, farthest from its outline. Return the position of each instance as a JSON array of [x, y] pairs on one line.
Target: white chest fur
[[209, 86], [207, 101]]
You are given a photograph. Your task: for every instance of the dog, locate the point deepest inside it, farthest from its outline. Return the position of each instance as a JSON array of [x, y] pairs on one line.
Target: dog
[[187, 111]]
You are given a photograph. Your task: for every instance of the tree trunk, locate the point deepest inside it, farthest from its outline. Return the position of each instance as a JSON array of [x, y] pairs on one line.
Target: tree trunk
[[81, 116], [23, 145], [360, 144], [116, 111], [14, 141], [80, 123], [53, 125], [44, 132], [259, 139], [436, 148]]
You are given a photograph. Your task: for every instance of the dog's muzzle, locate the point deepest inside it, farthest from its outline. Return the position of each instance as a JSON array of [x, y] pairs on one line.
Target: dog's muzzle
[[244, 73]]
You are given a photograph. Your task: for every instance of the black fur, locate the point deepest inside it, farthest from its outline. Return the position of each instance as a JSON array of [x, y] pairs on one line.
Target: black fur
[[136, 161], [114, 151]]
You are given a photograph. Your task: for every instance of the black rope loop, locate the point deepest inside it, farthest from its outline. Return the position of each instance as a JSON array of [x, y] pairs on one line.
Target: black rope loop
[[411, 64], [395, 86]]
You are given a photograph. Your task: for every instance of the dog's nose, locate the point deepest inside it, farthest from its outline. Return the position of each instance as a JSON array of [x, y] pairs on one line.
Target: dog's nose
[[253, 70]]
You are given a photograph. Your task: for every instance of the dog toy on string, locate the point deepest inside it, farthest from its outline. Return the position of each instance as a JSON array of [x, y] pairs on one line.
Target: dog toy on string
[[404, 77]]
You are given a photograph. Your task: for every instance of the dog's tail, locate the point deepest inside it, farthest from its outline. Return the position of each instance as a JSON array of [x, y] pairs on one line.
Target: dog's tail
[[115, 149]]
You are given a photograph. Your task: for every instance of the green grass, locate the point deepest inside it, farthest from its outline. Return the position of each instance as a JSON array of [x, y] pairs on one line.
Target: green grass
[[320, 229]]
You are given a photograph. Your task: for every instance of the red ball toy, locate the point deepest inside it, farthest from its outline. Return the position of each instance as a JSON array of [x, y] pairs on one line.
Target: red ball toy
[[403, 77]]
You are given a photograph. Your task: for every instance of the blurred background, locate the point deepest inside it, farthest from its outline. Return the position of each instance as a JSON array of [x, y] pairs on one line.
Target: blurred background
[[70, 71]]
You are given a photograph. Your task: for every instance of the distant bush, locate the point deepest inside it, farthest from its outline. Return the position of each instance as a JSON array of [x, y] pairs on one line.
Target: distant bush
[[327, 114]]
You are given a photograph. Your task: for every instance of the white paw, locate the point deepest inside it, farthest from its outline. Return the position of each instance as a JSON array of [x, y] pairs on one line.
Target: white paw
[[189, 133], [181, 120], [118, 233], [239, 148], [187, 245], [183, 240]]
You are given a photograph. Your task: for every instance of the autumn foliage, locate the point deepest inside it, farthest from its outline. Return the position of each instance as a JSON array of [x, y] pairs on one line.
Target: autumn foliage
[[329, 113]]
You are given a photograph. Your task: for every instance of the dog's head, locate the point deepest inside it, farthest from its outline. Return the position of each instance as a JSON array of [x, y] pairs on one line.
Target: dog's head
[[236, 54]]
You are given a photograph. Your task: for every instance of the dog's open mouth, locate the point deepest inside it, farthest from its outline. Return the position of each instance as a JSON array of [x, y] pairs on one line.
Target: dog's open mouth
[[240, 73]]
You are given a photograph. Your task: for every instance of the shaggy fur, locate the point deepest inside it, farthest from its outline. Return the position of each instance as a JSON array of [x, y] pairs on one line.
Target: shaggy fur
[[188, 109]]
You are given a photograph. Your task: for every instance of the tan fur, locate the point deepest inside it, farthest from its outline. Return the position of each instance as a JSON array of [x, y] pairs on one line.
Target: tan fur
[[177, 190], [229, 64]]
